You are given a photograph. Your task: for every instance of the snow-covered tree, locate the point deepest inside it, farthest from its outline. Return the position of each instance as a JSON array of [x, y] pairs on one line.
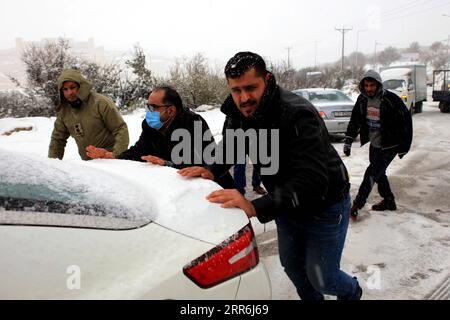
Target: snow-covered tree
[[197, 82], [22, 104], [45, 64], [388, 55], [138, 83]]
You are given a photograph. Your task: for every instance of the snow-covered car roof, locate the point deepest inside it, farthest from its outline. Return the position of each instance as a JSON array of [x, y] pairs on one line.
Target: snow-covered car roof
[[122, 189]]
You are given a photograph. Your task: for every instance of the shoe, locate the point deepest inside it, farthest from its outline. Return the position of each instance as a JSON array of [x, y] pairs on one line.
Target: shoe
[[259, 190], [356, 296], [354, 212], [384, 205]]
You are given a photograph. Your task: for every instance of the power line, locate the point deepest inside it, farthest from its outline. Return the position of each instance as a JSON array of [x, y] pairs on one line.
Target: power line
[[401, 9], [415, 12], [390, 13]]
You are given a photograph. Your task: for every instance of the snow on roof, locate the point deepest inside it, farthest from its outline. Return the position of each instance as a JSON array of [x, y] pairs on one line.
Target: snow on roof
[[33, 177], [124, 189], [394, 73]]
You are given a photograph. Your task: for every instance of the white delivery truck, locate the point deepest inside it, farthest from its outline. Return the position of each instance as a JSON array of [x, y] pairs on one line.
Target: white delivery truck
[[409, 82]]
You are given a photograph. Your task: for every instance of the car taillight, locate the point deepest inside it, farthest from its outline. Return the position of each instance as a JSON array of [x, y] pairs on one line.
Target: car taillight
[[322, 114], [231, 258]]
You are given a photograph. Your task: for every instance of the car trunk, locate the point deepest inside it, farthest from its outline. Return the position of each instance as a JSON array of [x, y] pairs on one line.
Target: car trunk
[[180, 203], [336, 110], [77, 263]]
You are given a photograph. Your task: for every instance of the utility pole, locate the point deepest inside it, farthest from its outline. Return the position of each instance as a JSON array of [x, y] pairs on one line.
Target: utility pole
[[448, 57], [289, 55], [343, 31], [375, 53]]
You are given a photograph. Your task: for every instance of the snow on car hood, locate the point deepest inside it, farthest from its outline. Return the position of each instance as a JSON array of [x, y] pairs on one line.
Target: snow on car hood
[[129, 189], [180, 202]]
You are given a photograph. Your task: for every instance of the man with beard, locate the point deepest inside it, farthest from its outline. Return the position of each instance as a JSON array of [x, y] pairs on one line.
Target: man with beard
[[308, 197], [166, 116], [89, 117], [381, 118]]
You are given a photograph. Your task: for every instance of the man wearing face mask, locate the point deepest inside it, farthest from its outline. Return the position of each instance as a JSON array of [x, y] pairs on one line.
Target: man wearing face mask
[[89, 117], [165, 114]]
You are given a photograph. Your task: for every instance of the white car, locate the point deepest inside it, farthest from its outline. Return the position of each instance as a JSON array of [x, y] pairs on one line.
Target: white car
[[116, 229]]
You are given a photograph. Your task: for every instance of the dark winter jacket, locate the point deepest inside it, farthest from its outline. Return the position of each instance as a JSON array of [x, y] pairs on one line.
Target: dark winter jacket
[[157, 143], [395, 119], [311, 175]]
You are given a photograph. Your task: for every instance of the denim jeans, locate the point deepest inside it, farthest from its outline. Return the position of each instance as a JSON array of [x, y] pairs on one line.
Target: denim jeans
[[310, 251], [376, 172], [240, 179]]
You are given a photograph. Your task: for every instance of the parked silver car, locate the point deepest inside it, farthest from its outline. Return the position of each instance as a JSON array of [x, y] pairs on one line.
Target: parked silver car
[[334, 106]]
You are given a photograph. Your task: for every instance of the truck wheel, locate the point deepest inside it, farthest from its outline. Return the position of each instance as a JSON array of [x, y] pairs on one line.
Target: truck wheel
[[444, 107], [419, 107]]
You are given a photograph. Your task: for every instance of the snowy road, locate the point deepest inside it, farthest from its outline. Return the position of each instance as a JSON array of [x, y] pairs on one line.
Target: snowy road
[[395, 255]]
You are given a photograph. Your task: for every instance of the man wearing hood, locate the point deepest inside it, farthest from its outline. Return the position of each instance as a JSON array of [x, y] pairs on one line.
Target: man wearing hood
[[381, 118], [308, 196], [89, 117]]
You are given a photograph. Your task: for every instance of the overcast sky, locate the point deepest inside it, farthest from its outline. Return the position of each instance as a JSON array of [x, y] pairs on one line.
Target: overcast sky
[[220, 28]]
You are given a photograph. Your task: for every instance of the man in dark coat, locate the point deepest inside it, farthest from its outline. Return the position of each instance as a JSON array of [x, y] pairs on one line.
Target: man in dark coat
[[308, 196], [165, 116], [381, 118]]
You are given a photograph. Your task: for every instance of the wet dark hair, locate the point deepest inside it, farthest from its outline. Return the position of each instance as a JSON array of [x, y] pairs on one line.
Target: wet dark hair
[[171, 96], [242, 62]]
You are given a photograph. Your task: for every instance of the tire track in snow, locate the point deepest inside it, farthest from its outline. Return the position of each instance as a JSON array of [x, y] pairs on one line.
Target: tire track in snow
[[442, 292]]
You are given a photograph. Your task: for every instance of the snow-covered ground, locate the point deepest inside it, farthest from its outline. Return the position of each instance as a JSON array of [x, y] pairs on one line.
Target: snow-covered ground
[[404, 254], [396, 255]]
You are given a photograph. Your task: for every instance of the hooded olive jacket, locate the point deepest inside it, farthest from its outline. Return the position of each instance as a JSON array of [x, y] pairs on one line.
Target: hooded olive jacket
[[97, 122]]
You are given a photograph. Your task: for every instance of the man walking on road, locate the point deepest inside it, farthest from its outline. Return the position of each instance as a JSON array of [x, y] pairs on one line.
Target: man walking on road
[[381, 118]]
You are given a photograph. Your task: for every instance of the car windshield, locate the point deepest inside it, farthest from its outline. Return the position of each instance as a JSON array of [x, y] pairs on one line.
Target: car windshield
[[300, 93], [35, 184], [394, 84], [328, 96]]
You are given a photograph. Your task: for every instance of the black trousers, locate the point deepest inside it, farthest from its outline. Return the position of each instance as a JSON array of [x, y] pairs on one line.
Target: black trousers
[[376, 173]]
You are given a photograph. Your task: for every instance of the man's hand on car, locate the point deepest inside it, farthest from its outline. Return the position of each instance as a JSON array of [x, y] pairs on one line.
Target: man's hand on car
[[154, 160], [191, 172], [232, 198], [98, 153]]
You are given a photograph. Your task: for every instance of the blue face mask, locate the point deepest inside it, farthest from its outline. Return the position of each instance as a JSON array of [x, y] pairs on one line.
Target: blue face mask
[[153, 119]]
